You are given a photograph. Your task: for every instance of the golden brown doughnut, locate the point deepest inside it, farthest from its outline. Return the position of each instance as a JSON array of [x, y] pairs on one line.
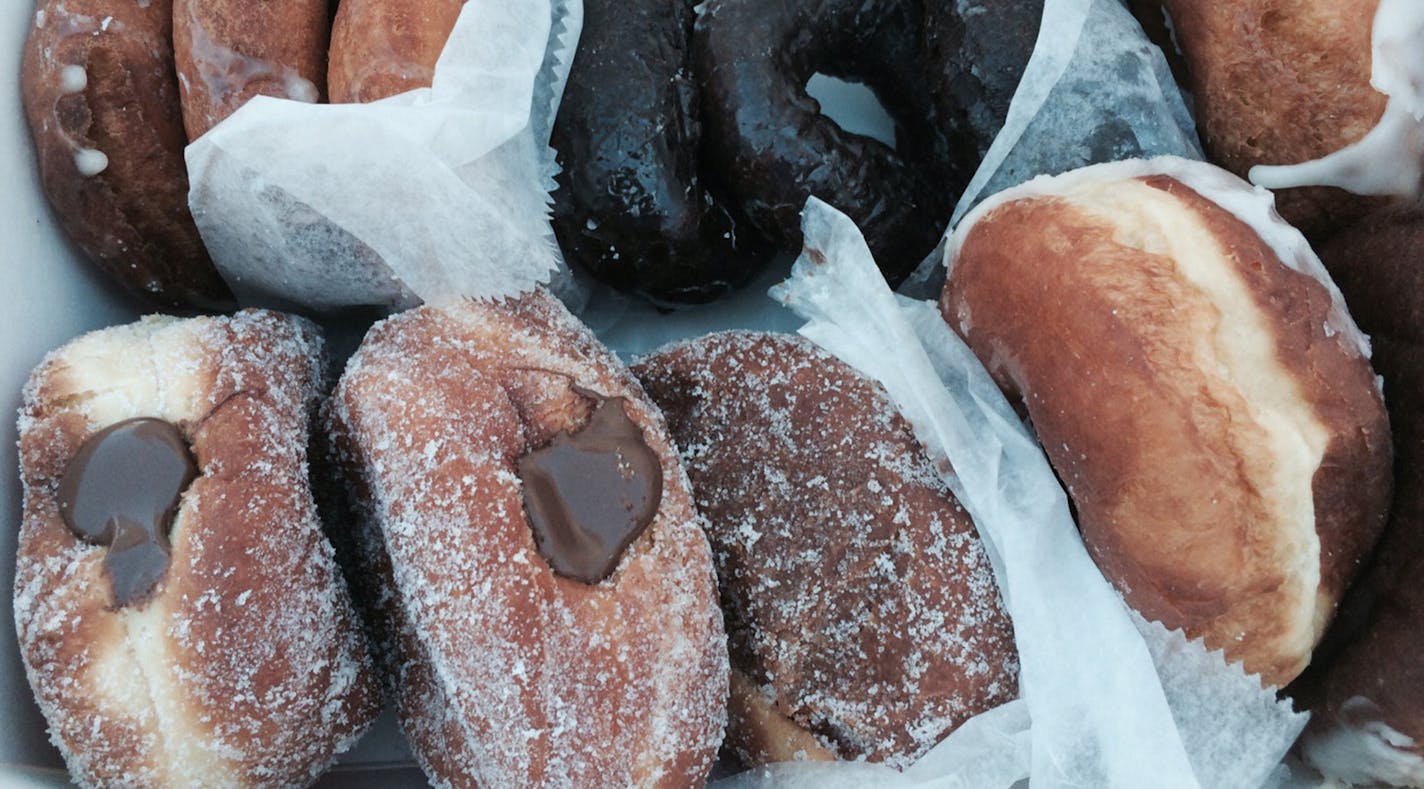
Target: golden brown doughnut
[[863, 616], [1198, 387], [1282, 82], [450, 423], [228, 51], [102, 104], [237, 661], [383, 47], [1374, 690]]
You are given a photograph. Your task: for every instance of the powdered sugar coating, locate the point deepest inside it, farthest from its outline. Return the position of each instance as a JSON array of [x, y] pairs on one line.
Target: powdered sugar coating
[[247, 666], [508, 675], [858, 596]]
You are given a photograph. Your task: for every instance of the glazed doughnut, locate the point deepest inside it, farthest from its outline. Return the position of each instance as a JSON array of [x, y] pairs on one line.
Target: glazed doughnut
[[976, 56], [767, 139], [228, 51], [1197, 384], [383, 47], [1371, 725], [102, 104], [1281, 82], [631, 207], [863, 617], [180, 614], [545, 581]]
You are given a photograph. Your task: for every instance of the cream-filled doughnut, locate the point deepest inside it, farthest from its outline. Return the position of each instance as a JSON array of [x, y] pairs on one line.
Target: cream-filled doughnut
[[1197, 384]]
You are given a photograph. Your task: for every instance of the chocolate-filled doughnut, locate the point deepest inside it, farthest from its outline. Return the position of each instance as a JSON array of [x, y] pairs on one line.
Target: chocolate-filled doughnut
[[1197, 384], [1370, 724], [766, 139], [180, 614], [540, 573], [632, 207], [102, 103], [863, 617], [228, 51], [976, 55], [1280, 83]]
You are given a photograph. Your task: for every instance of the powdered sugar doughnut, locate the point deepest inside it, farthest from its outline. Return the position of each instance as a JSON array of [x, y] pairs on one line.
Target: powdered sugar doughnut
[[532, 646], [863, 617], [234, 657]]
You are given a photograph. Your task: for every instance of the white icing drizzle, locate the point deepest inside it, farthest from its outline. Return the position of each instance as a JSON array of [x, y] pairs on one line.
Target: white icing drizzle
[[73, 79], [90, 162], [227, 72], [1361, 749], [40, 19], [1253, 205], [1389, 160]]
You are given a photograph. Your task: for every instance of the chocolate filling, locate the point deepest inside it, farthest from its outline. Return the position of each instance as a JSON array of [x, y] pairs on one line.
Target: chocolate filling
[[589, 494], [121, 490]]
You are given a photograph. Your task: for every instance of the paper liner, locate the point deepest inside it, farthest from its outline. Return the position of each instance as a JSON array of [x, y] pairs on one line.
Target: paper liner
[[1108, 705], [437, 193], [1389, 159]]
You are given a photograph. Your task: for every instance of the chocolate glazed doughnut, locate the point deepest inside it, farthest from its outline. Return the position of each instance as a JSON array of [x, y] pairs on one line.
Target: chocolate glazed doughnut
[[101, 99], [630, 207], [976, 57], [1373, 689], [767, 138]]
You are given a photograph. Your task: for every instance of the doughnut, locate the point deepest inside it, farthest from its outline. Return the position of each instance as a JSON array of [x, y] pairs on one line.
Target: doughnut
[[1370, 726], [228, 51], [1198, 386], [101, 101], [1279, 82], [862, 614], [632, 207], [383, 47], [180, 614], [543, 580], [765, 136], [976, 56]]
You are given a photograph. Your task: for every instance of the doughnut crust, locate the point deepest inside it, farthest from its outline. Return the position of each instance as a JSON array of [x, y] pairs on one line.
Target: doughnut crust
[[246, 666], [1207, 404], [1281, 82], [1377, 679], [228, 51], [506, 673], [863, 617], [101, 99], [383, 47]]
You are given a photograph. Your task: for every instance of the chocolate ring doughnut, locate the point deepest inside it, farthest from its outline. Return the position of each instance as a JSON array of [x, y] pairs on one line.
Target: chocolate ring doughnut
[[767, 139], [977, 58], [631, 207]]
